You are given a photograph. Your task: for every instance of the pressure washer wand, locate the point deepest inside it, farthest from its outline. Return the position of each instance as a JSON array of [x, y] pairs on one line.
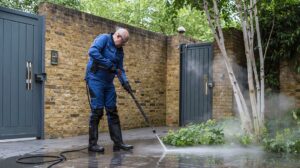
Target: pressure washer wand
[[141, 110]]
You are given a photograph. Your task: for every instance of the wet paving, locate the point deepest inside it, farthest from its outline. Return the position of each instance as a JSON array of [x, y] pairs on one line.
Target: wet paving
[[149, 153]]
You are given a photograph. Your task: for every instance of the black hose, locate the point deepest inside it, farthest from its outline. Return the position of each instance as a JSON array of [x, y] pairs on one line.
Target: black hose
[[56, 159]]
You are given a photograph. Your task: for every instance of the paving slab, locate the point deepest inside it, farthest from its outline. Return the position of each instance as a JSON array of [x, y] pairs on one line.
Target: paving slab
[[10, 149]]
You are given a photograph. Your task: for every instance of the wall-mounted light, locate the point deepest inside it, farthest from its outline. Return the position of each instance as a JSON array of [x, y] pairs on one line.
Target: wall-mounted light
[[181, 30]]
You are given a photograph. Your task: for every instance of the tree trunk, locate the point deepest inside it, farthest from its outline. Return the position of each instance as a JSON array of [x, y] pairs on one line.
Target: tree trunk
[[262, 62], [241, 103]]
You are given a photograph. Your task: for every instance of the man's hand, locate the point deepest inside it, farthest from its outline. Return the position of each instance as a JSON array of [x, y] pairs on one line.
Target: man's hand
[[112, 69], [119, 72], [115, 71], [127, 87]]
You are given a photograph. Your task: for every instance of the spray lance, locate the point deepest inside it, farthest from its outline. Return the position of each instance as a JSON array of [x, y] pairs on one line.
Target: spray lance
[[142, 111], [145, 116]]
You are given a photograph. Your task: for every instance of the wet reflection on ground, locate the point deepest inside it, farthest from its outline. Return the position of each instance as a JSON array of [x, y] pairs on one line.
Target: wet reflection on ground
[[149, 153]]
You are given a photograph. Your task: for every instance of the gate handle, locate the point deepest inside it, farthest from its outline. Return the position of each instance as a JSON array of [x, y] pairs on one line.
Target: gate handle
[[205, 78], [28, 75], [205, 88]]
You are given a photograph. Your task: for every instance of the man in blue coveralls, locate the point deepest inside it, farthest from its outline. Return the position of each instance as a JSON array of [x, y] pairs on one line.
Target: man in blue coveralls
[[105, 62]]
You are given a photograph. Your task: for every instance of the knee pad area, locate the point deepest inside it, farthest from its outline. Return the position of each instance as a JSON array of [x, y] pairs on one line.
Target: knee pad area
[[112, 115], [97, 114]]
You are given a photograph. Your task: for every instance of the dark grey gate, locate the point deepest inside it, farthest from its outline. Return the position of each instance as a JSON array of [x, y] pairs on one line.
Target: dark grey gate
[[22, 55], [195, 83]]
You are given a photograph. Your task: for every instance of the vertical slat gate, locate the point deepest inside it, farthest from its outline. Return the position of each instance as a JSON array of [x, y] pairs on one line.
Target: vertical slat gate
[[1, 69], [20, 105], [196, 74]]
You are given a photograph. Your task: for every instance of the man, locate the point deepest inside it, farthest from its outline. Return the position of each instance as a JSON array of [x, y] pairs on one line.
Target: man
[[105, 62]]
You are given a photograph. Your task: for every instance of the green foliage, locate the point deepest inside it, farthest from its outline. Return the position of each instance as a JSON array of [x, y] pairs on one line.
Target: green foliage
[[196, 134], [290, 119], [152, 15], [24, 5], [283, 133], [227, 10], [245, 139], [145, 14], [285, 39], [32, 5], [296, 115], [285, 141], [233, 132]]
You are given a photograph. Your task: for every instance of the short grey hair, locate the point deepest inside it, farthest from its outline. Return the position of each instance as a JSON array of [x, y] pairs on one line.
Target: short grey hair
[[123, 32]]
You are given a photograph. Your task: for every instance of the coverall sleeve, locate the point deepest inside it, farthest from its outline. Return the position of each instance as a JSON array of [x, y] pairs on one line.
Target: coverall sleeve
[[95, 51], [123, 77]]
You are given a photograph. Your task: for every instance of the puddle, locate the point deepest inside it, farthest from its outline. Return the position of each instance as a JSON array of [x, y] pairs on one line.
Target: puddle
[[149, 153]]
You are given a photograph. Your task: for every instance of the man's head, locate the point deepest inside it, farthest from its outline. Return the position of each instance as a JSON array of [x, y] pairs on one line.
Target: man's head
[[121, 36]]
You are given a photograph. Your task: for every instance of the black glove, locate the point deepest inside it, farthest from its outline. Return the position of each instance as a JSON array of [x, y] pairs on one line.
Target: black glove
[[127, 87], [112, 69]]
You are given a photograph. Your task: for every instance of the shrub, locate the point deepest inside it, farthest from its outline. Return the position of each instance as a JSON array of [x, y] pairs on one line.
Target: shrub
[[245, 139], [207, 133], [285, 141]]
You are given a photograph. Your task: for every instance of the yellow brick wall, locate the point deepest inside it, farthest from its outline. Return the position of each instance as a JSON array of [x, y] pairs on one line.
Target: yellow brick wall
[[223, 98], [152, 64], [289, 84], [71, 33]]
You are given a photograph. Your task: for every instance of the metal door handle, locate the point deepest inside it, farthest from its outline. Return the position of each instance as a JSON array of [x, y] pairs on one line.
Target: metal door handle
[[28, 75], [205, 78], [205, 88]]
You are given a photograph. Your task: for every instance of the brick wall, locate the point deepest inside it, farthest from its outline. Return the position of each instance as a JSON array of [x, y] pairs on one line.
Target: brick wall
[[152, 63], [66, 107], [290, 84], [223, 98]]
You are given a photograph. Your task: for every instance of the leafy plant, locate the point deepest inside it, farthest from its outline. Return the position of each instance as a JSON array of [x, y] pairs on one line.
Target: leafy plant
[[296, 115], [32, 5], [207, 133], [245, 139], [150, 15], [290, 119], [286, 141], [281, 16]]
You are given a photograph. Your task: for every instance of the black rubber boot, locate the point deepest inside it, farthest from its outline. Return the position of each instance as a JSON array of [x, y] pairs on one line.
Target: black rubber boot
[[95, 117], [115, 130], [122, 146]]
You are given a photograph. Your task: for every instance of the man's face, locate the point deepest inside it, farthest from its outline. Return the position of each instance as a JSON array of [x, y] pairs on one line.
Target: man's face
[[120, 40]]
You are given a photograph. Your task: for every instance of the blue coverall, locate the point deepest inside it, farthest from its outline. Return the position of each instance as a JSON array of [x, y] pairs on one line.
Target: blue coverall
[[100, 83], [104, 52]]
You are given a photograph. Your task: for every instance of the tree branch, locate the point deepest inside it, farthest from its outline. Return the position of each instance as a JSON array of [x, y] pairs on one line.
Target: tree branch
[[266, 49]]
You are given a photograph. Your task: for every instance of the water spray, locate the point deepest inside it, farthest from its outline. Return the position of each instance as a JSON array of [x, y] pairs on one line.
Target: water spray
[[146, 119]]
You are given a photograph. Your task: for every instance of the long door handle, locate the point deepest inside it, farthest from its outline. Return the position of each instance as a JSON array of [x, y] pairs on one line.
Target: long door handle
[[205, 78], [206, 88], [28, 75]]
